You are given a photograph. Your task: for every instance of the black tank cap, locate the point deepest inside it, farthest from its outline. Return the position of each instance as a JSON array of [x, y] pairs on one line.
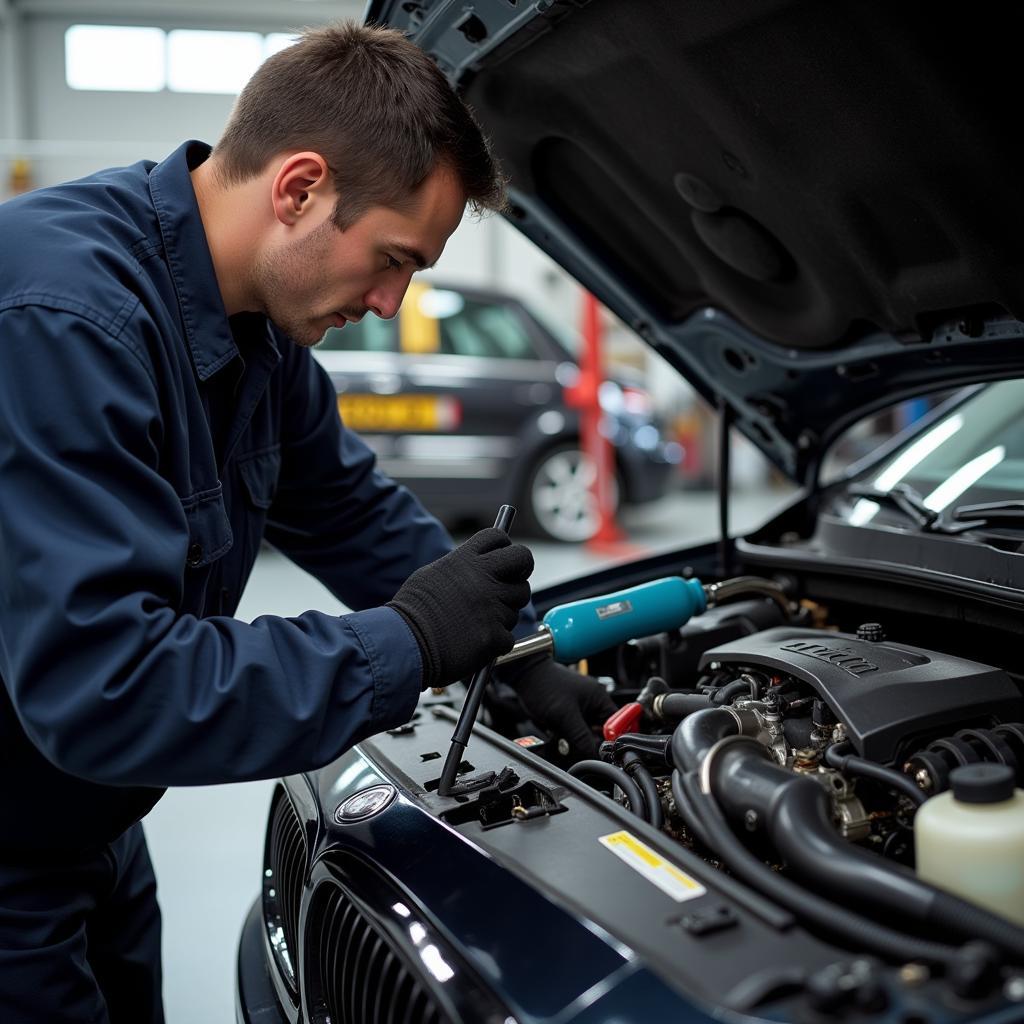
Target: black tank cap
[[982, 783], [871, 631]]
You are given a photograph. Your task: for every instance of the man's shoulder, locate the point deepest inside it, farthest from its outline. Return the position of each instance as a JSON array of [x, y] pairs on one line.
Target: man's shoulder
[[78, 245]]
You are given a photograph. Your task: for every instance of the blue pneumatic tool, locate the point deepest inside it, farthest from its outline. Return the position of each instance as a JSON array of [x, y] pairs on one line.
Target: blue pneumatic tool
[[581, 628]]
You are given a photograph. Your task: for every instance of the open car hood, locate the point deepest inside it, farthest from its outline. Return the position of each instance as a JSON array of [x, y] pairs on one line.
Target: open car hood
[[813, 210]]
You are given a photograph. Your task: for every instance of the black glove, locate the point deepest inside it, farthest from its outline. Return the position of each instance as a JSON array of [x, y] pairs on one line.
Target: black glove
[[565, 703], [462, 608]]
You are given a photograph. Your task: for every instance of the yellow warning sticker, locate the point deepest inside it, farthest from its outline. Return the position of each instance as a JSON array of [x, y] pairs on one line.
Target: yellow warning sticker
[[640, 857]]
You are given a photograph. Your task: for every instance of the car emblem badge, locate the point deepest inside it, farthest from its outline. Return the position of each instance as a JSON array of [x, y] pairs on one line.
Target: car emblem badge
[[364, 804]]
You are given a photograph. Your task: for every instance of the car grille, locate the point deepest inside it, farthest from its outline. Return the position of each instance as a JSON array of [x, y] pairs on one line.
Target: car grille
[[284, 872], [363, 979]]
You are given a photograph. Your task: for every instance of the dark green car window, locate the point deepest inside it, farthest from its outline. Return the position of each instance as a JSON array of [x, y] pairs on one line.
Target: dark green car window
[[487, 329]]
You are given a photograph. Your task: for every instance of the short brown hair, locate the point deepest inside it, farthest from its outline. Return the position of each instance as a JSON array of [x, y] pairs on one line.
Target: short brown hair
[[374, 105]]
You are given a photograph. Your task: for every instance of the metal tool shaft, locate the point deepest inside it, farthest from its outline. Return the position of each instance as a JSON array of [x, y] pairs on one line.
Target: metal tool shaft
[[540, 642], [475, 694]]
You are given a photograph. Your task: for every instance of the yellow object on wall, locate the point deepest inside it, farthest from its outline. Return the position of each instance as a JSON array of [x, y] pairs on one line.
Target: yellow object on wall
[[20, 177]]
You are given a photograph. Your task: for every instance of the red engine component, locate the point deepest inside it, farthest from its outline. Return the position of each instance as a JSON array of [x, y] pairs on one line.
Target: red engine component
[[626, 719]]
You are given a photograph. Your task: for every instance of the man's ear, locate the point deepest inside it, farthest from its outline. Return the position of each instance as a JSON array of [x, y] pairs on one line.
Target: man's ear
[[302, 182]]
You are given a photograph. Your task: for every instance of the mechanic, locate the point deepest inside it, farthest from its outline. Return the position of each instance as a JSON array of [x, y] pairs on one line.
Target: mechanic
[[161, 415]]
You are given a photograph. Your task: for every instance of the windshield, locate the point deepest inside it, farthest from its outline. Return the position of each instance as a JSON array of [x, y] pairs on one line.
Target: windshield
[[974, 454]]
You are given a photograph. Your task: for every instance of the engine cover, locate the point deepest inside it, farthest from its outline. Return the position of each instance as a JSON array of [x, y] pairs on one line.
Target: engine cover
[[886, 694]]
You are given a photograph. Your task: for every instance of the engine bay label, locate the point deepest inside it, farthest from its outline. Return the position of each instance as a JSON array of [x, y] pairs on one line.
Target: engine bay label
[[640, 857]]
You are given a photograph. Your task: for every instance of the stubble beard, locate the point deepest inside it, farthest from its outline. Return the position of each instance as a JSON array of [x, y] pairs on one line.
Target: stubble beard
[[293, 270]]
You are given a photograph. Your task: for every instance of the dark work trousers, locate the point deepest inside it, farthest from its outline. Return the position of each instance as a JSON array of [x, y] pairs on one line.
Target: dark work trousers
[[80, 938]]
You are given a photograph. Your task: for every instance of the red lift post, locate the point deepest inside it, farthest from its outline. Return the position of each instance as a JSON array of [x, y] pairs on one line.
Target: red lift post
[[586, 397]]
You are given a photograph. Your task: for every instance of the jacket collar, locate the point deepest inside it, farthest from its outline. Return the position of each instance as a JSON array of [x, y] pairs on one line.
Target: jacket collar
[[188, 256]]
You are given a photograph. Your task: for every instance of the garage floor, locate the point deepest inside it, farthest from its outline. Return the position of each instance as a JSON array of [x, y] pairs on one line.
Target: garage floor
[[207, 844]]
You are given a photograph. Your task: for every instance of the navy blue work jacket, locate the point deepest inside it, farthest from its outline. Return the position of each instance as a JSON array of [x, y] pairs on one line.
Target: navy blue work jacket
[[147, 444]]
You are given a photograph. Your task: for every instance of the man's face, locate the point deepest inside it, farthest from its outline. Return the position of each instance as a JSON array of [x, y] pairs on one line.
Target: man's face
[[326, 277]]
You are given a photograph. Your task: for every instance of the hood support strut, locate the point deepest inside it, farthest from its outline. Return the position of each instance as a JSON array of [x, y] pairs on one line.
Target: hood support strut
[[725, 544]]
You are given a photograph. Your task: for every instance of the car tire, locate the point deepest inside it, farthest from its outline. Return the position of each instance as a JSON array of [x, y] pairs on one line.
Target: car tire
[[558, 503]]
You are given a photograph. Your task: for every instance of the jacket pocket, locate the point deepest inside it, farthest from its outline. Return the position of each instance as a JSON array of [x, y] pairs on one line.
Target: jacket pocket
[[259, 472], [209, 529]]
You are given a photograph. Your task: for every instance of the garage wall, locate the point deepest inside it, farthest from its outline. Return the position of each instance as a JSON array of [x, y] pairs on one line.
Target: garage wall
[[10, 90]]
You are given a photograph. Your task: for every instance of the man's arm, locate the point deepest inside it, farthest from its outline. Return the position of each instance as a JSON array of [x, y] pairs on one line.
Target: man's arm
[[108, 678], [361, 534], [335, 514]]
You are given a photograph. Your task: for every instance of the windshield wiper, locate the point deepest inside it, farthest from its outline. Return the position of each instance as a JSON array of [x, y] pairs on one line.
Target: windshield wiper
[[967, 517], [990, 513], [910, 502]]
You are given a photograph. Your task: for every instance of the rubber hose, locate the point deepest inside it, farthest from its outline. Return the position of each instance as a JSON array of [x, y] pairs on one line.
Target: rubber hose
[[675, 706], [796, 814], [798, 732], [831, 918], [609, 773], [969, 919], [802, 832], [635, 768], [724, 694], [726, 590], [697, 734], [653, 746], [837, 756], [687, 811], [770, 911]]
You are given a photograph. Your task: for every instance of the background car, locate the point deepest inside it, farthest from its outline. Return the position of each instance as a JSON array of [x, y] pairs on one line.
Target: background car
[[463, 398]]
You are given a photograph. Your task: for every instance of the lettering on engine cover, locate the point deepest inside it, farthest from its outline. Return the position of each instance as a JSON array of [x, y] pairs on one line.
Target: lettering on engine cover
[[841, 657]]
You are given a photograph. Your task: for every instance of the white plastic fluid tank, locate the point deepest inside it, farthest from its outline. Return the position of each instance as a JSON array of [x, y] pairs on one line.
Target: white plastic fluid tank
[[970, 841]]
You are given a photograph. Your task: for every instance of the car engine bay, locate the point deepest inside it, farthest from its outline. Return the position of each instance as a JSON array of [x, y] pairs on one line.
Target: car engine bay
[[786, 755]]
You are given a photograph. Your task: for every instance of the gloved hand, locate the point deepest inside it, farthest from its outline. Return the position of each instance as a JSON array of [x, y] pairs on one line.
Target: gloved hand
[[462, 607], [565, 703]]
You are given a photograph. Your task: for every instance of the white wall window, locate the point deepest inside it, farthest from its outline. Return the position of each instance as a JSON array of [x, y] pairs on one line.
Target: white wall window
[[128, 59], [115, 58]]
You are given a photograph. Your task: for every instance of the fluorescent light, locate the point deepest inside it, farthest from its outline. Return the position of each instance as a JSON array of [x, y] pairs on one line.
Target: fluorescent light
[[209, 61], [114, 58], [966, 476], [277, 41], [918, 452], [863, 512]]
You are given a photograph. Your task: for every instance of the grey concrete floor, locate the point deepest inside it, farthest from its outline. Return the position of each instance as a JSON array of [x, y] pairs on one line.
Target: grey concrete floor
[[207, 843]]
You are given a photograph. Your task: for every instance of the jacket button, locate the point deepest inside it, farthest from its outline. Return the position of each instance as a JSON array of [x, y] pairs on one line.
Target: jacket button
[[195, 554]]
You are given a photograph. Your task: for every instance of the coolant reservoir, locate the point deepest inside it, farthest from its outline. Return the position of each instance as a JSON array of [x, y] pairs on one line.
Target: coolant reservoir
[[970, 841]]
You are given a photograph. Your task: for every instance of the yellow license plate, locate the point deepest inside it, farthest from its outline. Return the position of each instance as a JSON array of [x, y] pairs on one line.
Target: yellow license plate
[[395, 412]]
